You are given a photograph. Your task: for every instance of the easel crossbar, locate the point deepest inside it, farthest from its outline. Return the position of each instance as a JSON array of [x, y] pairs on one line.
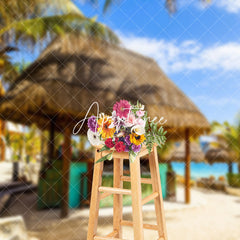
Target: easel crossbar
[[115, 190], [146, 226], [143, 180], [106, 238], [150, 197]]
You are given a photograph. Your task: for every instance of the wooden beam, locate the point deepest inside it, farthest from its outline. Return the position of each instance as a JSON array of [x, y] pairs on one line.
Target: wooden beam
[[187, 166], [117, 198], [51, 143], [2, 143], [66, 151]]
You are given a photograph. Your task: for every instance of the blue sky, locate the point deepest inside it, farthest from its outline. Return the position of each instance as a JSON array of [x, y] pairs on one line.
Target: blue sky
[[198, 47]]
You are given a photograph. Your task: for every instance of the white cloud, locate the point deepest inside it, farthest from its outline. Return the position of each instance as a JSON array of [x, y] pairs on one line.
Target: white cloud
[[216, 102], [232, 6], [175, 56]]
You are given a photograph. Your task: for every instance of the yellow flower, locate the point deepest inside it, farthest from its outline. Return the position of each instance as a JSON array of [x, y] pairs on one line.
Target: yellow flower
[[104, 129], [137, 139]]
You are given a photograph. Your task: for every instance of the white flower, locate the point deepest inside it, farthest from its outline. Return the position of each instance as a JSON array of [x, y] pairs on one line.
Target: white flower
[[138, 129], [94, 138]]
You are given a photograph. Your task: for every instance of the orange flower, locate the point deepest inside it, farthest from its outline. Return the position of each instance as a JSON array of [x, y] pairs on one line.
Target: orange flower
[[104, 129]]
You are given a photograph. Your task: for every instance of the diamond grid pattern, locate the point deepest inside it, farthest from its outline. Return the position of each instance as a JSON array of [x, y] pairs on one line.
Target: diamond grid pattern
[[185, 77]]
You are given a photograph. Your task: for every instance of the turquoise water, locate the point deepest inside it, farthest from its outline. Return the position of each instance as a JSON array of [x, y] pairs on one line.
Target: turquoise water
[[204, 169]]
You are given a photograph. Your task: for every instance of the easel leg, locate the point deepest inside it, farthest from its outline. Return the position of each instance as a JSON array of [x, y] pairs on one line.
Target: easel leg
[[156, 185], [136, 199], [95, 198], [117, 198]]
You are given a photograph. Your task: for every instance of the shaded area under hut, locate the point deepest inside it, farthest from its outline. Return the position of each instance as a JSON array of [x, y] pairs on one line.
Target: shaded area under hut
[[177, 153], [56, 91]]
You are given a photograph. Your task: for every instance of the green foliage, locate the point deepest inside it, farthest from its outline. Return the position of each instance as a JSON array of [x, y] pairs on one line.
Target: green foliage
[[132, 156], [233, 180], [37, 29], [154, 134], [106, 157], [228, 137]]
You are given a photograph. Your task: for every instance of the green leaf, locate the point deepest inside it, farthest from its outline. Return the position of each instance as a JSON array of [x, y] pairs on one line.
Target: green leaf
[[107, 157], [104, 148], [132, 156]]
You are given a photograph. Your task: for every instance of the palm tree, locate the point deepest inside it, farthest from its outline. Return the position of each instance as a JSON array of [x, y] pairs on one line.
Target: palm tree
[[31, 22], [229, 138]]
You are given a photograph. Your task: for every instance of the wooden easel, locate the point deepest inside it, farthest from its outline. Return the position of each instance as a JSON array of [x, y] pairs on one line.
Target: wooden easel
[[99, 192]]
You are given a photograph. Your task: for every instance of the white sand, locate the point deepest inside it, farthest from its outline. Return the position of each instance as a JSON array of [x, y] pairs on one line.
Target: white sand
[[211, 216]]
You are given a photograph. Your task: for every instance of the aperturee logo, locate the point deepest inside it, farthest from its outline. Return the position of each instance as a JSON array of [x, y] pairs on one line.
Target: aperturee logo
[[127, 129]]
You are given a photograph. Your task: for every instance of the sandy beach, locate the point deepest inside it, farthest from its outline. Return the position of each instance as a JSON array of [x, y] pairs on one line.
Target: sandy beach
[[211, 216]]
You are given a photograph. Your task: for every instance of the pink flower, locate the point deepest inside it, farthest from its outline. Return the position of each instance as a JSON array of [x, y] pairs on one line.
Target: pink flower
[[122, 108], [140, 113], [130, 120], [140, 122]]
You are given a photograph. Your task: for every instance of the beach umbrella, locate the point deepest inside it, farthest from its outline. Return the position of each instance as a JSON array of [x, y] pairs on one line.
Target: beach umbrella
[[56, 91]]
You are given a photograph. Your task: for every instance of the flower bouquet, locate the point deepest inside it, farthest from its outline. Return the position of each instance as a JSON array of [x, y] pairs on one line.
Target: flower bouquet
[[128, 129]]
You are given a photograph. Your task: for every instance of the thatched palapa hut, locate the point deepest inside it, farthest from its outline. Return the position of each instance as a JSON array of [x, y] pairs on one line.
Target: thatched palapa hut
[[57, 89], [220, 155], [177, 153]]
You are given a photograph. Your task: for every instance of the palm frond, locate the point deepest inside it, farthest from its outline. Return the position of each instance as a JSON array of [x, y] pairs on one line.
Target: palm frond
[[12, 10], [38, 29]]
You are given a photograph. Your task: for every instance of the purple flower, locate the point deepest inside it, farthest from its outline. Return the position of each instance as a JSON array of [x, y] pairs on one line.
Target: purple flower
[[127, 140], [136, 148], [126, 148], [117, 122], [92, 124]]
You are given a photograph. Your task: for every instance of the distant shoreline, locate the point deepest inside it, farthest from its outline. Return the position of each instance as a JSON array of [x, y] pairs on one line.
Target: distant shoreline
[[199, 170]]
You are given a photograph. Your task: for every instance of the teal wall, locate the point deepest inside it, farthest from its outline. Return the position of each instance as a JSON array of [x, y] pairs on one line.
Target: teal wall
[[76, 193], [163, 176]]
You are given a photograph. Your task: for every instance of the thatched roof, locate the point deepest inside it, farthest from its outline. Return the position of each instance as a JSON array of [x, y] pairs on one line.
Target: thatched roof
[[74, 72], [178, 154], [218, 155]]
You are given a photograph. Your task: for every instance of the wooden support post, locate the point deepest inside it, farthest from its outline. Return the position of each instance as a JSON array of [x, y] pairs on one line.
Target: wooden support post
[[2, 143], [136, 199], [66, 151], [158, 201], [230, 167], [51, 143], [117, 198], [187, 166], [95, 197]]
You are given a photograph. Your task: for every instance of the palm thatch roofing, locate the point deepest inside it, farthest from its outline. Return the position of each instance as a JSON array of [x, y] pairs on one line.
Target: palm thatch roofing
[[218, 155], [72, 72], [178, 154]]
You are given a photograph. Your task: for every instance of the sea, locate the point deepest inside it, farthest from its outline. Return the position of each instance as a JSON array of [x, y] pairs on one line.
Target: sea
[[199, 170]]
